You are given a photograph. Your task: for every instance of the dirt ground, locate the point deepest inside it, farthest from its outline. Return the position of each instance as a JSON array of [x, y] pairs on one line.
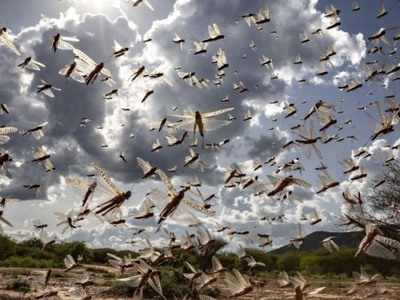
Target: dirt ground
[[266, 289]]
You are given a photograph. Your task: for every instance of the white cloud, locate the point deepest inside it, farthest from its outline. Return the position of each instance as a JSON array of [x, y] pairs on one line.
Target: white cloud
[[74, 148]]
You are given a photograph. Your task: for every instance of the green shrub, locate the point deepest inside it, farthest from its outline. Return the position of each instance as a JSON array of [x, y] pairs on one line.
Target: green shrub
[[213, 292], [19, 285], [7, 247], [29, 254], [230, 261], [261, 256], [288, 262], [173, 284], [29, 262], [121, 289]]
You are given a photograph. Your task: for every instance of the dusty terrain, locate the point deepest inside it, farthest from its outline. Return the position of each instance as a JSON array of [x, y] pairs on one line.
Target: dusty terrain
[[266, 289]]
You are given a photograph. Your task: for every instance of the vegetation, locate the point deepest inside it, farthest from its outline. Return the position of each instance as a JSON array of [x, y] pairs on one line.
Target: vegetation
[[323, 262], [19, 285], [384, 201], [315, 262], [120, 289], [29, 254], [173, 283]]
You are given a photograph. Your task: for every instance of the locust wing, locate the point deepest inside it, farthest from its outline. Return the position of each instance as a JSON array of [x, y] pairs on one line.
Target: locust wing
[[8, 42], [104, 176], [216, 113]]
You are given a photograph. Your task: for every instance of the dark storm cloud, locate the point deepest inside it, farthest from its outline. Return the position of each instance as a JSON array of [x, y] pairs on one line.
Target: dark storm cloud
[[195, 16], [73, 148], [266, 146]]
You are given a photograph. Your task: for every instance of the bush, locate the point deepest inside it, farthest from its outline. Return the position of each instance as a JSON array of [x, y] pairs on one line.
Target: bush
[[7, 247], [173, 284], [212, 292], [230, 261], [29, 254], [29, 262], [19, 285], [121, 289], [288, 262], [261, 256]]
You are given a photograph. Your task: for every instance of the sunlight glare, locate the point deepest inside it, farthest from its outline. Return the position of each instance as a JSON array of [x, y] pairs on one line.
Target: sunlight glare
[[97, 5]]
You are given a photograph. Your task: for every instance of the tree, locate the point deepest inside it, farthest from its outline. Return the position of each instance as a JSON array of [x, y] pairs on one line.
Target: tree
[[384, 200], [289, 262], [379, 215], [7, 247]]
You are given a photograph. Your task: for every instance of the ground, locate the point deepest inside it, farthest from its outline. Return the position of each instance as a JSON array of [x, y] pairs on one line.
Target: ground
[[104, 288]]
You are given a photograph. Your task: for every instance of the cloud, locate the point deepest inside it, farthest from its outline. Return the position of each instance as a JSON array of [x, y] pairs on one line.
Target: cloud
[[73, 148]]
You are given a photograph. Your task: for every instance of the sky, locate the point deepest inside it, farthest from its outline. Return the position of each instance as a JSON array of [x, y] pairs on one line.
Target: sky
[[105, 26]]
